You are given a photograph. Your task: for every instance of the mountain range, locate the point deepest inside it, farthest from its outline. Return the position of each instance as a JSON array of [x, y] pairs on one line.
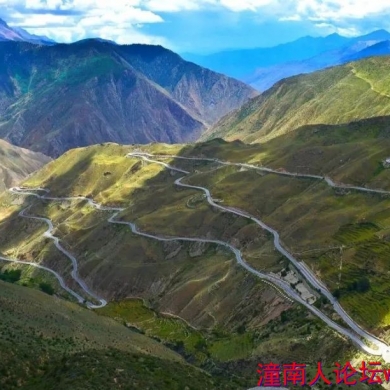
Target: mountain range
[[263, 67], [336, 95], [137, 258], [53, 98], [8, 33]]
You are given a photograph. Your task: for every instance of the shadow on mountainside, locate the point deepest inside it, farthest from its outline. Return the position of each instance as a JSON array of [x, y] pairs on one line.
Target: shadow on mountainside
[[346, 214], [22, 238], [136, 267]]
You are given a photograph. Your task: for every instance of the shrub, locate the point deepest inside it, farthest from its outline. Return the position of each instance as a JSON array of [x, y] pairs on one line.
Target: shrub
[[12, 276], [46, 288]]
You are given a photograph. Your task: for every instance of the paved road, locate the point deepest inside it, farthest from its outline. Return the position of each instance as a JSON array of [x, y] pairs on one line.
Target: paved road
[[328, 180], [49, 234], [383, 349], [58, 276]]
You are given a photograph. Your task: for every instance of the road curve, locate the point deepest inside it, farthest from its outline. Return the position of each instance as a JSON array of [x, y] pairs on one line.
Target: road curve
[[383, 348], [56, 240], [79, 298], [327, 179]]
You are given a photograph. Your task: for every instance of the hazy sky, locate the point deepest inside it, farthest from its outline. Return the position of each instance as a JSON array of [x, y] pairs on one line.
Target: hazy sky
[[196, 25]]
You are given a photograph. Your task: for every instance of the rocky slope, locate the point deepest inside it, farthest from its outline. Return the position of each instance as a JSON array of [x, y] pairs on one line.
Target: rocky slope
[[17, 163], [337, 95], [53, 98]]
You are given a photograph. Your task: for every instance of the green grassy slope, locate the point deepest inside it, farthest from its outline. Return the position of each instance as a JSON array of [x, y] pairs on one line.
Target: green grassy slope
[[45, 340], [196, 299], [350, 153], [337, 95]]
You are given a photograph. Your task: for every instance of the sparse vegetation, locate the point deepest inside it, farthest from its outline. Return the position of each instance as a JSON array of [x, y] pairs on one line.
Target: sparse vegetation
[[362, 89], [193, 282]]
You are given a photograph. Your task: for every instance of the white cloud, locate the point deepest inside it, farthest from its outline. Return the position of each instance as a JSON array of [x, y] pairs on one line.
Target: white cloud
[[316, 8], [292, 18], [344, 31], [69, 20], [122, 20], [342, 9], [186, 5], [245, 5], [174, 5]]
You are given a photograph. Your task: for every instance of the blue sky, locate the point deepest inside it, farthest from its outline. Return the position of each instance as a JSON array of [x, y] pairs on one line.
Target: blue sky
[[196, 26]]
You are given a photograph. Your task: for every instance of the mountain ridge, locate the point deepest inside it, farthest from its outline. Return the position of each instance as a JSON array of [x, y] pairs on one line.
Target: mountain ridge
[[8, 33], [336, 95], [111, 93], [263, 67], [17, 163]]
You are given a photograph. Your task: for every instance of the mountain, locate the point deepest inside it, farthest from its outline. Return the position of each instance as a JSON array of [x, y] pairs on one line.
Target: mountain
[[379, 49], [263, 67], [190, 296], [357, 48], [242, 63], [17, 163], [336, 95], [53, 98], [50, 343], [18, 34]]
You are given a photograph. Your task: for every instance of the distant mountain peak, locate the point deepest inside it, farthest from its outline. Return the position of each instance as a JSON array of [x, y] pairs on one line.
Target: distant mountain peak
[[381, 34], [8, 33], [335, 34]]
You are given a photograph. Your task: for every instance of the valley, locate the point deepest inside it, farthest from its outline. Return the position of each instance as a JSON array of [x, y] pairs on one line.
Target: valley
[[166, 226], [107, 176]]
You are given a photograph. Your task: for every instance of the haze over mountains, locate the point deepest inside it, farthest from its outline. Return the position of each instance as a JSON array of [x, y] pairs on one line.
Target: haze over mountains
[[178, 247], [8, 33], [263, 67]]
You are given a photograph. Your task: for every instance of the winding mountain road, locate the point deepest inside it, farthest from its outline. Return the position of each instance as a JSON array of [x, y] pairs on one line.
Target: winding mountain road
[[383, 349], [56, 240], [356, 334], [327, 179]]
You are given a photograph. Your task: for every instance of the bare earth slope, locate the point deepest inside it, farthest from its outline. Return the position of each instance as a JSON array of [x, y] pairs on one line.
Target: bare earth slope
[[17, 163]]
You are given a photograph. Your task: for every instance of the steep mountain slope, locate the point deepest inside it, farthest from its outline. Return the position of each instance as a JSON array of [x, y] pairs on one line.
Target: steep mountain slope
[[337, 95], [53, 98], [18, 34], [325, 227], [194, 295], [49, 343], [17, 163]]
